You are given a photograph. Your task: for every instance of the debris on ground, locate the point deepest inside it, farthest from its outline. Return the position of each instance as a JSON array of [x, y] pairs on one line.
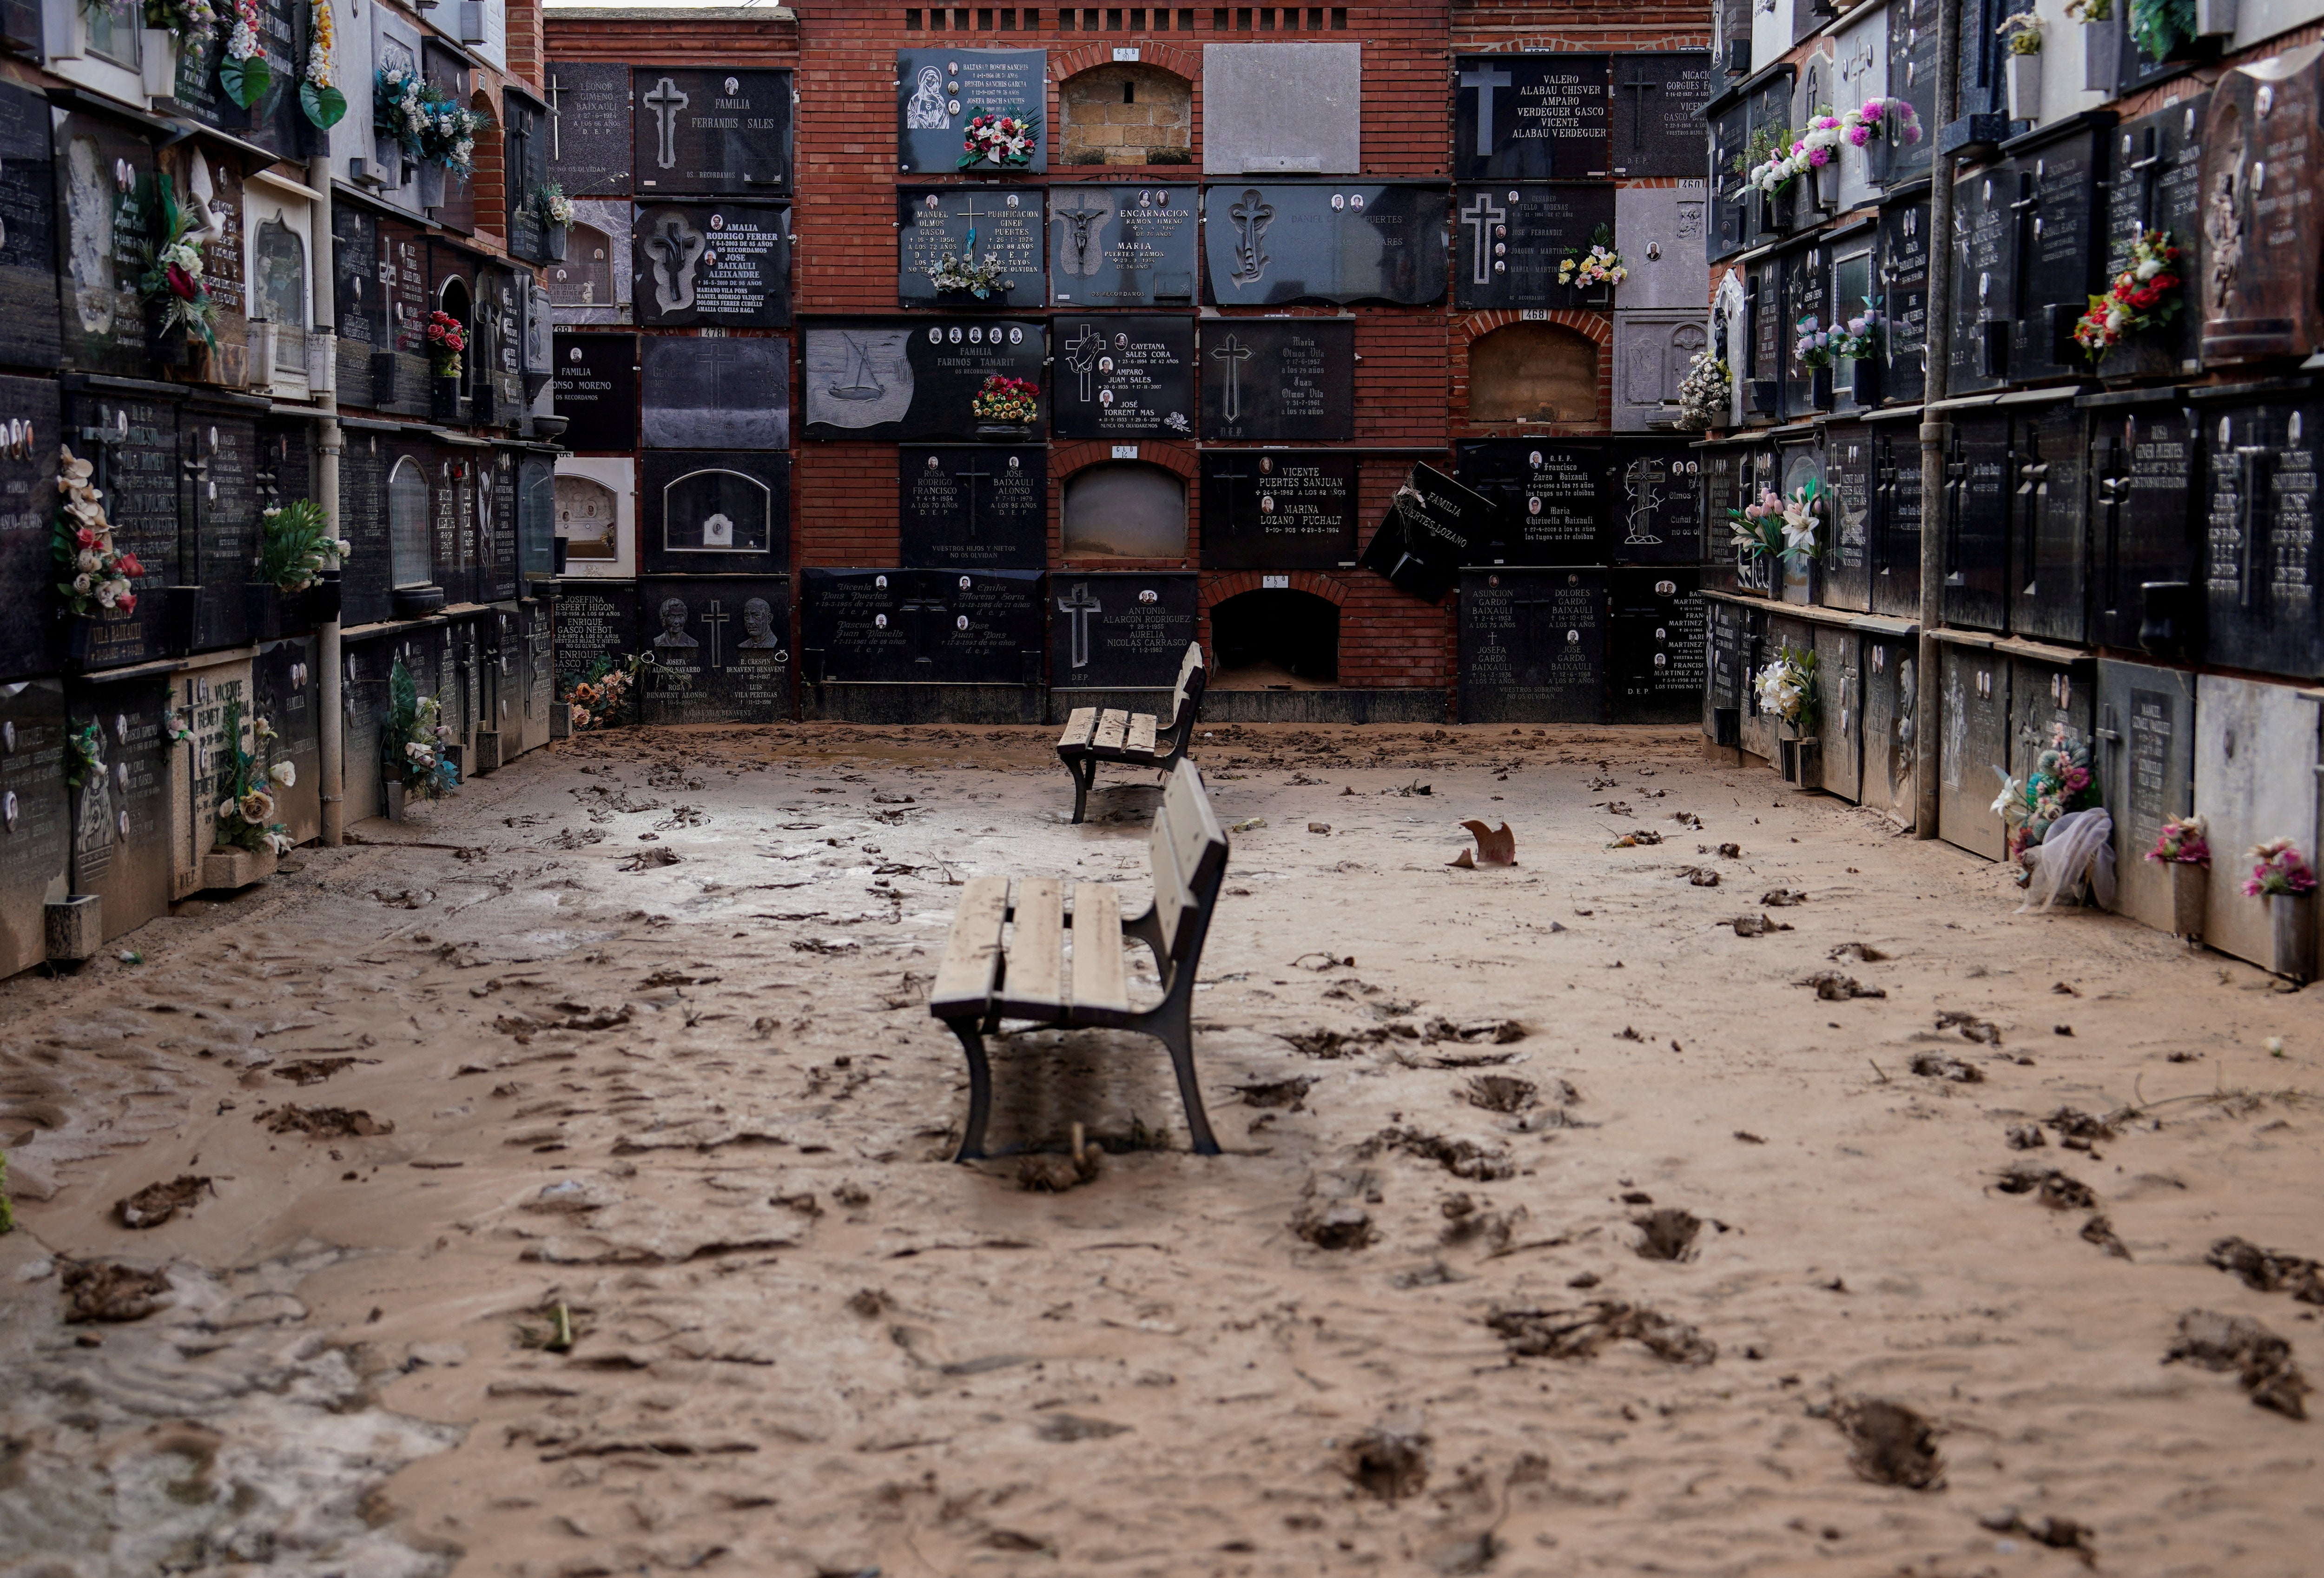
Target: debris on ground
[[1699, 876], [1669, 1234], [1386, 1464], [2100, 1231], [1889, 1444], [324, 1122], [2024, 1136], [156, 1203], [1937, 1065], [1636, 837], [661, 854], [1327, 1043], [2269, 1270], [2073, 1123], [2261, 1360], [2060, 1533], [1863, 953], [1832, 986], [1467, 1220], [314, 1070], [1043, 1173], [1490, 1032], [1971, 1027], [1580, 1334], [1463, 1159], [1783, 897], [1755, 926], [2059, 1191], [1495, 848], [1291, 1095], [1340, 1226], [1501, 1092], [100, 1290]]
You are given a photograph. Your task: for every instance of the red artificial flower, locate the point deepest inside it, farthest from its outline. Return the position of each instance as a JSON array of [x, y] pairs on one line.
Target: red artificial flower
[[128, 566], [2146, 299], [126, 603], [85, 538], [181, 283], [2166, 281]]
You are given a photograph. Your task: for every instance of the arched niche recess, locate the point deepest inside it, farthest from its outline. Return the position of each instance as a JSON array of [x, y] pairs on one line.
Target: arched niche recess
[[1127, 114], [1277, 639], [1125, 509], [1533, 373]]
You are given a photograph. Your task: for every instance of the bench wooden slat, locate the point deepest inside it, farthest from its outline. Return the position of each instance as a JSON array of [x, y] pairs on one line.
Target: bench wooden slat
[[1079, 726], [1189, 828], [1186, 669], [1037, 949], [1170, 895], [963, 983], [1112, 728], [1099, 978], [1141, 733]]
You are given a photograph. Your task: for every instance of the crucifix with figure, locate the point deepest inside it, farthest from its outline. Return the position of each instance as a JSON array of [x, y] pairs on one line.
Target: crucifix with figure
[[1483, 215], [1077, 609], [1485, 79], [1234, 353], [666, 100]]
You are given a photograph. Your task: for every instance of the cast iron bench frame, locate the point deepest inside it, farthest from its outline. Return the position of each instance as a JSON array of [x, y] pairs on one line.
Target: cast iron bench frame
[[1132, 738]]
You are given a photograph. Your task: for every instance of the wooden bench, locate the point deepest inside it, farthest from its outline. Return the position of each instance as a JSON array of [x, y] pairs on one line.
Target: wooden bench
[[1132, 738], [1006, 957]]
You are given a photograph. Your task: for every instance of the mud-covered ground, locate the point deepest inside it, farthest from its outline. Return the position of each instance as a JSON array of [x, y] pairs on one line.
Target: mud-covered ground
[[554, 1183]]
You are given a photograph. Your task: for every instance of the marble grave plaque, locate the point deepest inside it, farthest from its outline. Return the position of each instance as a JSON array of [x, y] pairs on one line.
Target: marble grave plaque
[[2060, 245], [35, 815], [2258, 293], [1657, 113], [1896, 523], [1913, 77], [2145, 463], [1847, 475], [1534, 118], [712, 133], [30, 629], [721, 646], [1533, 646], [121, 815], [594, 620], [698, 265], [133, 443], [1658, 646], [28, 231], [1553, 498], [2261, 569], [596, 381], [928, 627], [721, 393], [1270, 509], [1976, 521], [876, 378], [1282, 108], [1265, 245], [1654, 489], [1122, 245], [1288, 381], [939, 91], [1004, 227], [2158, 166], [1120, 631], [2049, 581], [973, 507], [714, 513], [1510, 240], [1123, 376], [103, 179], [1901, 272], [1983, 290], [589, 140]]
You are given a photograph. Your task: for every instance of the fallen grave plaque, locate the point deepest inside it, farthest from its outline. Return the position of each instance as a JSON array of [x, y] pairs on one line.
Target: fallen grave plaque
[[712, 132], [1658, 119], [938, 92], [121, 822], [721, 393], [701, 265], [714, 513], [1507, 243], [1273, 510], [1554, 497], [879, 379], [940, 228], [1119, 630], [1121, 376], [721, 649], [597, 391], [1658, 646], [1267, 245], [1533, 117], [1123, 246], [589, 139], [1278, 381], [35, 817], [1533, 647], [1434, 526], [973, 507]]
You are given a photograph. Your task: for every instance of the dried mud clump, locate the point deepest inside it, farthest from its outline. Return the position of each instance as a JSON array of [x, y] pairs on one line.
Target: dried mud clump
[[1046, 1174], [1668, 1234], [1335, 1227], [2059, 1191], [1501, 1092], [156, 1203], [2269, 1270], [1291, 1095], [1580, 1334], [1387, 1466], [1889, 1444], [1937, 1065], [2261, 1360], [97, 1290], [324, 1122], [1463, 1159]]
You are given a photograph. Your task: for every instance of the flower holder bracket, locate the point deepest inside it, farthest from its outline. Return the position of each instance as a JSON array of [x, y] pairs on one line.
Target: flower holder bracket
[[72, 928], [228, 869], [1803, 762]]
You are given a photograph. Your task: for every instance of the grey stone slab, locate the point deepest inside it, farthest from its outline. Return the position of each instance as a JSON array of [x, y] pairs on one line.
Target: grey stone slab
[[1282, 108], [1651, 353], [589, 141], [1973, 752], [1123, 245], [1659, 232], [706, 394], [2255, 757], [2144, 753], [1889, 680], [1840, 694]]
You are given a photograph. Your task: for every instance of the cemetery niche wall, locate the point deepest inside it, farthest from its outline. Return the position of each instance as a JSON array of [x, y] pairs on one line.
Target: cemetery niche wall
[[978, 381], [970, 507], [1533, 646], [1278, 510], [1271, 244], [721, 649], [1122, 631]]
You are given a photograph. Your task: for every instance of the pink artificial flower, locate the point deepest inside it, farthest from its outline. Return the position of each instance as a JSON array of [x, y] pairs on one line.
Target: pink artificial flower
[[1820, 157], [1871, 111]]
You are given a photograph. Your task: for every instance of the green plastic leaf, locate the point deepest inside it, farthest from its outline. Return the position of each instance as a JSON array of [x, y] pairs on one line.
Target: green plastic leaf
[[324, 105], [245, 82]]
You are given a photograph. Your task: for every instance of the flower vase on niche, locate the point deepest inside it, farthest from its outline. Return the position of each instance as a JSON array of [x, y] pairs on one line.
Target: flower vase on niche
[[1821, 392], [2024, 75], [394, 807], [444, 397], [2292, 917], [1864, 380], [167, 342], [552, 243], [1826, 187], [2189, 884], [159, 60], [431, 185], [2101, 56]]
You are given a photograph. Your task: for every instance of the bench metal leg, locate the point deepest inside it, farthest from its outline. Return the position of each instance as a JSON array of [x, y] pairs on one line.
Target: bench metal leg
[[1172, 1024], [1085, 779], [980, 1088]]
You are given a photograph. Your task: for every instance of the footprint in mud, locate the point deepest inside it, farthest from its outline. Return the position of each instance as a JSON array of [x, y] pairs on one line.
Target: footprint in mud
[[1501, 1092], [156, 1203], [2261, 1359], [1889, 1444], [1667, 1234], [1386, 1464]]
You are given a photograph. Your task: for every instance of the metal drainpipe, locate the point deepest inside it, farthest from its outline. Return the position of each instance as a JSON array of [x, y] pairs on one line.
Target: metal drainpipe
[[1927, 732], [327, 483]]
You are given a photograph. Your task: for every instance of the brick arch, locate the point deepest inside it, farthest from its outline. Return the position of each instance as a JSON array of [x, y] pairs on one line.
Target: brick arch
[[1476, 326], [1216, 589], [1169, 455], [1186, 64]]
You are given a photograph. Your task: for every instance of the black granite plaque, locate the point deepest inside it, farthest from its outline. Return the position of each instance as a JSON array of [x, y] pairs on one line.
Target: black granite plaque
[[1728, 231], [524, 147], [28, 232], [597, 391], [497, 579], [2058, 245], [1658, 646], [989, 627], [589, 139], [2049, 582], [121, 813], [1913, 77], [714, 513], [1120, 376], [701, 264], [1654, 489], [1122, 245], [936, 225], [863, 627], [1554, 498], [1903, 281], [721, 649], [363, 579], [880, 378], [1272, 510], [1120, 631], [973, 508], [715, 393], [1895, 555], [1768, 345], [458, 548], [2147, 468], [1533, 647], [360, 303], [595, 619], [133, 443], [2261, 568], [1281, 382], [1432, 528], [939, 91], [35, 817], [1807, 294], [716, 133], [1984, 293], [1540, 117], [1509, 241], [1977, 520], [104, 187], [1723, 683], [218, 453], [29, 430], [2156, 185], [1848, 478], [1658, 101], [287, 692], [1266, 244]]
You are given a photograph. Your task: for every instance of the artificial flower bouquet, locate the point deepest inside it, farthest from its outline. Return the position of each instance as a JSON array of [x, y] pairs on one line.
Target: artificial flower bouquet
[[1776, 527], [100, 578], [245, 809], [1004, 140], [2182, 842], [1787, 687], [2147, 294], [1004, 399], [2277, 867], [297, 546]]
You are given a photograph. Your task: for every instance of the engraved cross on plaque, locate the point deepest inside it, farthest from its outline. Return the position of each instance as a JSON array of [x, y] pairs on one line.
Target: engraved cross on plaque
[[556, 118], [968, 477], [666, 100], [1484, 79], [1641, 88], [1483, 214], [1078, 609], [715, 618], [1234, 352], [1081, 356]]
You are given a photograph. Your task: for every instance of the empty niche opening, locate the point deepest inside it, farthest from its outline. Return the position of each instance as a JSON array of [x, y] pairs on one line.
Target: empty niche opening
[[1533, 373], [1128, 115], [1125, 509], [585, 517], [1276, 639]]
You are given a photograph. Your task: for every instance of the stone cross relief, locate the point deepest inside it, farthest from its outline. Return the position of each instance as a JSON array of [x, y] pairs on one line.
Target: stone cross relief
[[1251, 218], [666, 100], [675, 246], [1485, 79], [1483, 215], [1234, 353], [1081, 356], [1078, 608]]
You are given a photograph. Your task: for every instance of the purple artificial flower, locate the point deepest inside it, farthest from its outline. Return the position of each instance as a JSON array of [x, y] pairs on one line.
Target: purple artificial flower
[[1820, 156]]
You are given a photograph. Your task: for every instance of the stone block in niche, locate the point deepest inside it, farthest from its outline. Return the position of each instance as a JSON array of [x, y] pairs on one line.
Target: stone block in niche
[[1283, 108], [1652, 353], [592, 285]]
